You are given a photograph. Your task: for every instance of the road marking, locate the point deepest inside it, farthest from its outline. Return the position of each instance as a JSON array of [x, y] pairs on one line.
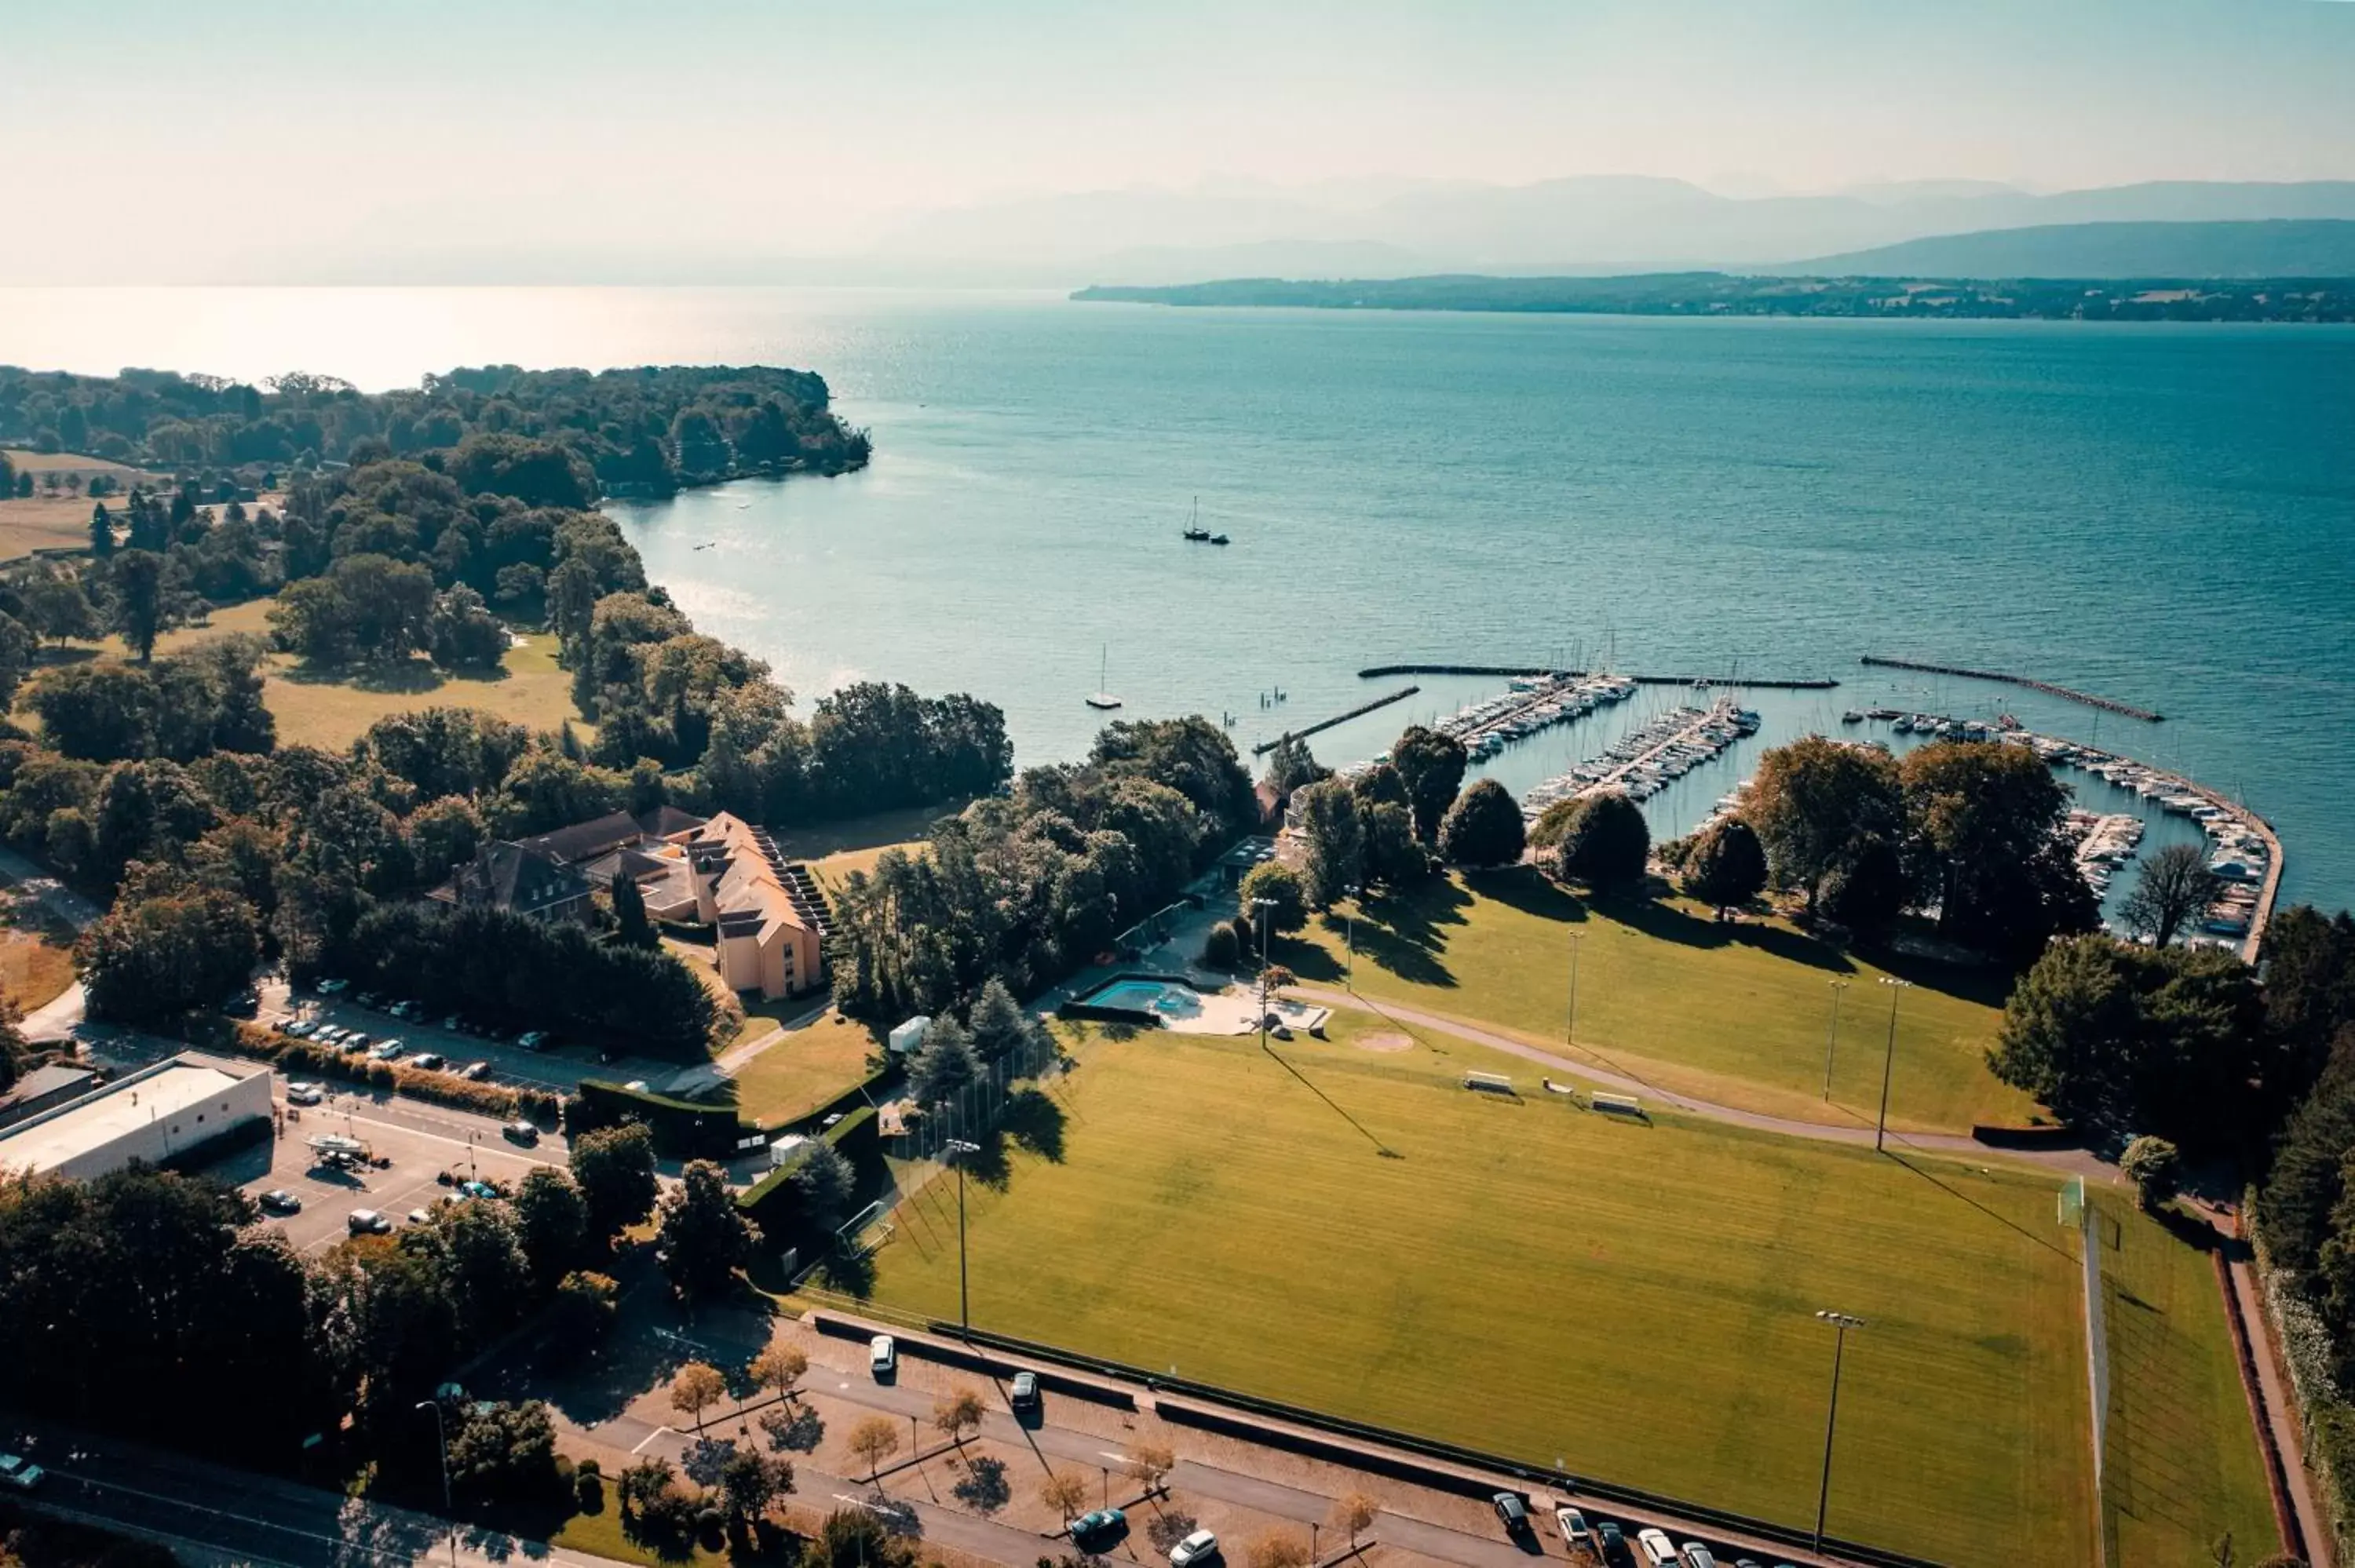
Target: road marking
[[334, 1541], [650, 1437], [1115, 1458]]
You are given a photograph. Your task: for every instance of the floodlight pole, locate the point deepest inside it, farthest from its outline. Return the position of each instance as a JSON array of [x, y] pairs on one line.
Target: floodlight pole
[[1260, 918], [442, 1443], [958, 1148], [1889, 1060], [1841, 1323], [1571, 1038], [1349, 976], [1831, 1039]]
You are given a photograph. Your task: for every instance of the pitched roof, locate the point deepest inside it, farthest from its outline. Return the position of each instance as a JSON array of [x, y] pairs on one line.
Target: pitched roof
[[615, 829], [517, 877]]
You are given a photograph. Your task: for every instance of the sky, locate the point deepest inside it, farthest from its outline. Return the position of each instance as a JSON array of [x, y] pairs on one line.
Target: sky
[[261, 140]]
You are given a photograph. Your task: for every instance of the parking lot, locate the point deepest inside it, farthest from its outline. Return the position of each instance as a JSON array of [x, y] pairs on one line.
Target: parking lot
[[415, 1151], [559, 1067]]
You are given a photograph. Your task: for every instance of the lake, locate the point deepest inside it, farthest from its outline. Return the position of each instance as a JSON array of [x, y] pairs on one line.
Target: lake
[[2164, 514]]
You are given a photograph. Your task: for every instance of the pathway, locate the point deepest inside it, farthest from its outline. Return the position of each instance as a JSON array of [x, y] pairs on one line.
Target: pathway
[[2066, 1161]]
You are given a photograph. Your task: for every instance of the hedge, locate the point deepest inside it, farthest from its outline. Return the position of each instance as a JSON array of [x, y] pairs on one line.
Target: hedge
[[682, 1129], [867, 1092], [773, 1203], [301, 1058]]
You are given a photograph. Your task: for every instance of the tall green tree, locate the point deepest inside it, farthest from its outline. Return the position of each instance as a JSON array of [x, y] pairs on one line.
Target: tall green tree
[[631, 929], [703, 1238], [1431, 767], [1986, 818], [1334, 838], [2173, 889], [1813, 804], [1725, 866], [1600, 840], [1483, 826], [1279, 886], [615, 1169], [139, 609]]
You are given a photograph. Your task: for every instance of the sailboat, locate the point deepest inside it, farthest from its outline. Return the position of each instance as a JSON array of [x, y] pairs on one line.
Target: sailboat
[[1104, 699], [1195, 532]]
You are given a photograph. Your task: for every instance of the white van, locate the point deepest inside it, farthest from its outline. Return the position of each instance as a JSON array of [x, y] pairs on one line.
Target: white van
[[1655, 1546]]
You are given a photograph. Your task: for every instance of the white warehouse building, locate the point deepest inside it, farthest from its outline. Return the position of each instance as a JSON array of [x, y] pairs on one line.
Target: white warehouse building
[[153, 1115]]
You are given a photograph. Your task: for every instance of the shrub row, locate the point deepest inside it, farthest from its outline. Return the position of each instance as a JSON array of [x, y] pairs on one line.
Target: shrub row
[[682, 1129], [773, 1203], [300, 1058]]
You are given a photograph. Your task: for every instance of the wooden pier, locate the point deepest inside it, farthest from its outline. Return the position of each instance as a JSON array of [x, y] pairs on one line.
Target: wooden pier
[[2109, 703], [1264, 748], [1806, 683]]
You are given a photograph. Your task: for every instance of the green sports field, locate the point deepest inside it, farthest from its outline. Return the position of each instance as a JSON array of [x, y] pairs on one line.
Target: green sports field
[[1354, 1232], [1739, 1015]]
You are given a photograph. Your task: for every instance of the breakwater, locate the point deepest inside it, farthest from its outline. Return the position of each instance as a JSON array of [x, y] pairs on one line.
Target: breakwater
[[1264, 748], [2110, 704], [1807, 684]]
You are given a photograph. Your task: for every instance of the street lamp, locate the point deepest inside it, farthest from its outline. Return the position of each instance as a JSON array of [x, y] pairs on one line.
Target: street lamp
[[1841, 1323], [1888, 1060], [958, 1148], [1571, 1038], [442, 1442], [1260, 918], [1831, 1039], [1349, 976]]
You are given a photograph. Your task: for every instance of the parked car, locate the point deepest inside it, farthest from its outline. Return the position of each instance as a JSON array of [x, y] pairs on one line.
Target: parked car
[[1199, 1547], [385, 1050], [242, 1004], [420, 1216], [475, 1071], [404, 1010], [521, 1132], [1573, 1525], [296, 1027], [1024, 1396], [1655, 1546], [431, 1060], [477, 1189], [19, 1472], [331, 987], [1698, 1556], [278, 1200], [1511, 1512], [1609, 1544], [327, 1033], [352, 1043], [367, 1222], [532, 1039], [300, 1093], [1105, 1524], [882, 1355], [368, 999], [456, 1025]]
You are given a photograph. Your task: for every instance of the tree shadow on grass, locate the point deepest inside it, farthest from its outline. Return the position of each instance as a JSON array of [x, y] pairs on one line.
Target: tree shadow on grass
[[1401, 932], [1033, 1120], [1528, 890], [410, 677], [1686, 928]]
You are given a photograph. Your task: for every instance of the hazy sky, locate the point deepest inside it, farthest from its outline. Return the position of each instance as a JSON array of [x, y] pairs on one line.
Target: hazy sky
[[237, 138]]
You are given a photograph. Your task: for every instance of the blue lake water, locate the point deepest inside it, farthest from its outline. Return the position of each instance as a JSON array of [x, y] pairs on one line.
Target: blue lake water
[[2164, 514]]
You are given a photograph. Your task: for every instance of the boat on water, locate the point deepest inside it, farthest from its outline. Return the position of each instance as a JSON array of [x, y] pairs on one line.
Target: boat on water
[[1101, 698], [1852, 717], [1218, 538], [1195, 532]]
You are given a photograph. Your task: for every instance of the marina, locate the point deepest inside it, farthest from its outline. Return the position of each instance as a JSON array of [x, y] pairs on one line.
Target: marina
[[1645, 761], [2108, 705], [1264, 746]]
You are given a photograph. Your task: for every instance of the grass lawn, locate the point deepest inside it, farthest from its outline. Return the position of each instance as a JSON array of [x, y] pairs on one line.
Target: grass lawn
[[600, 1535], [804, 1069], [1542, 1282], [2182, 1460], [36, 951], [845, 841], [332, 708], [1737, 1014], [43, 522]]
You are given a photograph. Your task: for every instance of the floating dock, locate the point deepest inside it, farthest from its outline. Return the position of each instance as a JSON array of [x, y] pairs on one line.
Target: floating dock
[[1264, 748], [1809, 683], [2108, 704]]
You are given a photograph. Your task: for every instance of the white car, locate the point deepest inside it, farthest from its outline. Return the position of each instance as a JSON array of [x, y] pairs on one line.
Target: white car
[[304, 1094], [882, 1355], [1199, 1547], [19, 1472], [1655, 1548], [1573, 1525], [1699, 1556]]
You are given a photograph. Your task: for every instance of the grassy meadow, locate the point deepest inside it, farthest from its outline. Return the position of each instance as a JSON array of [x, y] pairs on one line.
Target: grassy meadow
[[805, 1067], [1346, 1228], [1734, 1013]]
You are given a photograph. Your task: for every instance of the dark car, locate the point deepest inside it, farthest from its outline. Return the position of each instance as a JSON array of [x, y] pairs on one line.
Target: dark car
[[1610, 1543], [1024, 1396], [1105, 1524], [242, 1004], [1511, 1512]]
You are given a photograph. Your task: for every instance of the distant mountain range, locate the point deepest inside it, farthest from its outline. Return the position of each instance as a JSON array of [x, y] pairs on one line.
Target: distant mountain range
[[1559, 228], [2265, 248]]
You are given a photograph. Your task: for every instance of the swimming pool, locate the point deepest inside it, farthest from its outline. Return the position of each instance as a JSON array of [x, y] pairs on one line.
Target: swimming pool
[[1147, 996]]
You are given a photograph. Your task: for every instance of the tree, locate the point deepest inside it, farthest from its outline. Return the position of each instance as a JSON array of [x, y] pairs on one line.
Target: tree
[[1274, 881], [704, 1237], [1483, 828], [2173, 889], [1814, 801], [504, 1453], [1726, 866], [553, 1221], [137, 607], [875, 1439], [614, 1168], [1065, 1492], [1219, 950], [582, 1312], [56, 607], [1334, 837], [1353, 1514], [958, 1412], [999, 1029], [1867, 892], [101, 532], [825, 1182], [856, 1538], [2153, 1167], [1986, 820], [778, 1367], [152, 958], [1149, 1464], [1278, 1549], [2118, 1038], [460, 633], [945, 1066], [1431, 767], [751, 1480], [1392, 857], [696, 1388], [631, 927], [1602, 841], [1291, 766], [643, 1482]]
